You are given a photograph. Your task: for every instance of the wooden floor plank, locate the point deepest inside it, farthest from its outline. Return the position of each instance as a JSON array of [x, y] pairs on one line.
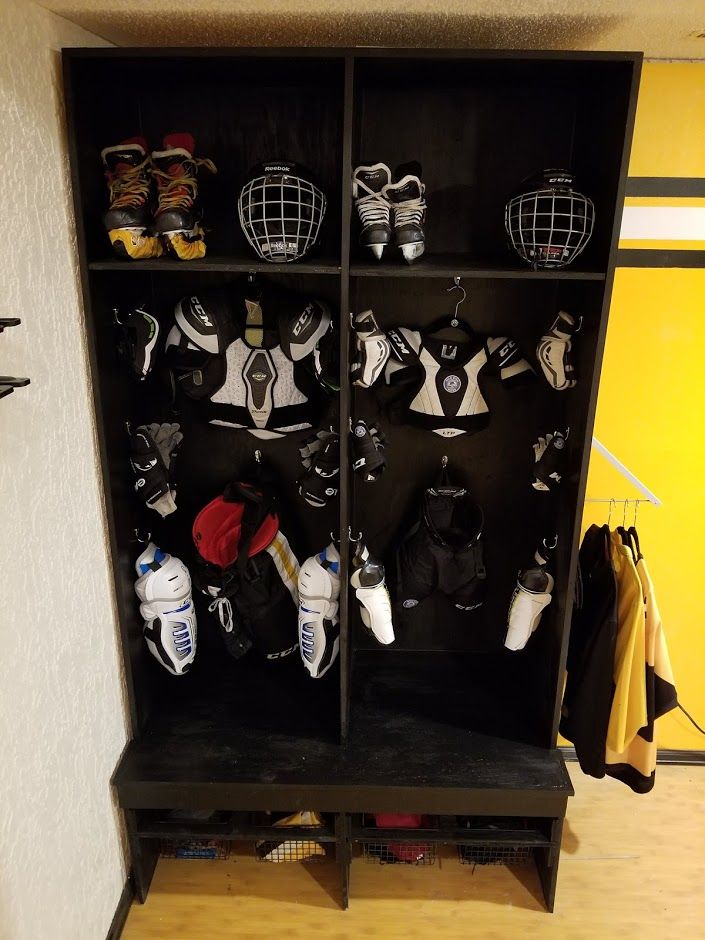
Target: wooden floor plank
[[631, 867]]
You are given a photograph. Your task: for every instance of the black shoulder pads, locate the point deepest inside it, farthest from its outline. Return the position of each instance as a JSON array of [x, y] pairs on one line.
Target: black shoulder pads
[[304, 324], [206, 320]]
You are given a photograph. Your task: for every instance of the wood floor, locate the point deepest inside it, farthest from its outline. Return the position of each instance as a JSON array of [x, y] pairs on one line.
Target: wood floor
[[631, 867]]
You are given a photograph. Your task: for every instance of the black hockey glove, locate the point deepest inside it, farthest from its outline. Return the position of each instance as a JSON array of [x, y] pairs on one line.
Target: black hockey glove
[[368, 444], [139, 335], [152, 454], [549, 457], [320, 456]]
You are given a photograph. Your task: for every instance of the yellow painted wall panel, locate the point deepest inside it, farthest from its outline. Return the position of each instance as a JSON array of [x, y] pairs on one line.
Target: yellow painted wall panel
[[651, 415], [670, 120]]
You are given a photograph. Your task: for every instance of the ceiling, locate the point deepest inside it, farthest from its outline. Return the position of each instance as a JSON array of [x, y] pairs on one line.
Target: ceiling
[[659, 28]]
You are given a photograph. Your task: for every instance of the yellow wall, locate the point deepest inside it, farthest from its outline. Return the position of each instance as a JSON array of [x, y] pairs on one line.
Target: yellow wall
[[651, 407]]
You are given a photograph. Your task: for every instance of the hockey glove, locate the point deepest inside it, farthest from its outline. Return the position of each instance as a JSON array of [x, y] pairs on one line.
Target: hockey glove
[[549, 456], [368, 444], [320, 456], [138, 342], [553, 353], [371, 350], [152, 454]]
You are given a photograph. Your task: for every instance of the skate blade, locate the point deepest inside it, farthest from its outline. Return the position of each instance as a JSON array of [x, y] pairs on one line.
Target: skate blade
[[186, 245], [413, 251], [135, 244], [377, 251]]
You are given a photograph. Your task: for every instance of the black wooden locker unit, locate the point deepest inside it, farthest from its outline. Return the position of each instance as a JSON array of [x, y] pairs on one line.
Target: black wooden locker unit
[[445, 722]]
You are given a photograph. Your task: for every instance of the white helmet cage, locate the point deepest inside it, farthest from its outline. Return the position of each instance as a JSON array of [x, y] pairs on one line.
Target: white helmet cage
[[281, 211], [549, 223]]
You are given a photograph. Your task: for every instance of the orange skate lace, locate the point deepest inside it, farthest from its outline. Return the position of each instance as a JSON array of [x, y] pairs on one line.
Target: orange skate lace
[[129, 185], [175, 190]]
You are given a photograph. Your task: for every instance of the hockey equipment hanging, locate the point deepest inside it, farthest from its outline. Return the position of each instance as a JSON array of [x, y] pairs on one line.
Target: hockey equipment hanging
[[373, 208], [367, 445], [319, 623], [249, 571], [254, 356], [163, 587], [531, 596], [139, 335], [549, 458], [443, 551], [281, 210], [153, 450], [548, 222], [320, 456], [371, 350], [554, 352], [367, 579]]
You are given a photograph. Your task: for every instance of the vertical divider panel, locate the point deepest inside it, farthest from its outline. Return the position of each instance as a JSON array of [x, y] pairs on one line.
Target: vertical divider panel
[[586, 443], [345, 467], [138, 698]]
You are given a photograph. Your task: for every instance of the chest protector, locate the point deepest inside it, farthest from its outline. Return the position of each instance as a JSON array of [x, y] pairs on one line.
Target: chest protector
[[252, 361], [442, 378]]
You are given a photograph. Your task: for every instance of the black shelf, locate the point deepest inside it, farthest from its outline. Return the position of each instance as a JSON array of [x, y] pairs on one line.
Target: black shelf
[[449, 265], [392, 762], [235, 264]]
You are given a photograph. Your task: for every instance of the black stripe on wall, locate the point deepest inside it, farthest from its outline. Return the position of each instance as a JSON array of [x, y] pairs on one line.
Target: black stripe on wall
[[688, 186], [659, 258]]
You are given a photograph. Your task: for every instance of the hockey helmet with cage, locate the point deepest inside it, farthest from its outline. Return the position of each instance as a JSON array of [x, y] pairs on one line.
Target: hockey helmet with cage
[[548, 222], [281, 210]]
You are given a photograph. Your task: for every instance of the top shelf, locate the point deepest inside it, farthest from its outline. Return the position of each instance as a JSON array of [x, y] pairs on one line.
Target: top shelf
[[430, 266], [228, 263], [448, 265]]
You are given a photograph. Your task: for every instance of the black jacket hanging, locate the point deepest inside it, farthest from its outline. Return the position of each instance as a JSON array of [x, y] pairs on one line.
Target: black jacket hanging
[[590, 685]]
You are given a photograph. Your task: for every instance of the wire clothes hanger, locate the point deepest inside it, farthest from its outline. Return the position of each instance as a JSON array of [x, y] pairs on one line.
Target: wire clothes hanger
[[455, 319]]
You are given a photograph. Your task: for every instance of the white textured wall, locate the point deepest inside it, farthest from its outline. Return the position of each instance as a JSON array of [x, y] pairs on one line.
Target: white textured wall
[[61, 710]]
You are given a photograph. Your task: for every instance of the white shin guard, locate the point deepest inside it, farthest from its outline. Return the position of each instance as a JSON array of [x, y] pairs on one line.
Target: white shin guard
[[371, 591], [164, 589], [526, 608], [319, 631]]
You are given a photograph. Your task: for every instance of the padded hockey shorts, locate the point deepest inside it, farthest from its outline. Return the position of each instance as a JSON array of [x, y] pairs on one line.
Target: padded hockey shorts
[[438, 556]]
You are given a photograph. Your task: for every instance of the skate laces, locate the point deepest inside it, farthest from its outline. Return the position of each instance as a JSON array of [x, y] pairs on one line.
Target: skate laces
[[372, 208], [129, 185], [175, 190], [411, 211]]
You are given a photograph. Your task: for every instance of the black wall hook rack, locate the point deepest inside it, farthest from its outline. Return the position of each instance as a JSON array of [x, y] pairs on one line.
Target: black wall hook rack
[[8, 383]]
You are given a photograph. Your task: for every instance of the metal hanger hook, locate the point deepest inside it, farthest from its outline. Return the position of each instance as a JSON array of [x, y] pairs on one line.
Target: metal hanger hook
[[357, 538], [613, 502], [457, 286], [636, 510], [624, 514]]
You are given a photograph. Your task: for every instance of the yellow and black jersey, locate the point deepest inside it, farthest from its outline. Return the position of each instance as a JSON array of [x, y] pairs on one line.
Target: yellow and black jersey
[[635, 763]]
